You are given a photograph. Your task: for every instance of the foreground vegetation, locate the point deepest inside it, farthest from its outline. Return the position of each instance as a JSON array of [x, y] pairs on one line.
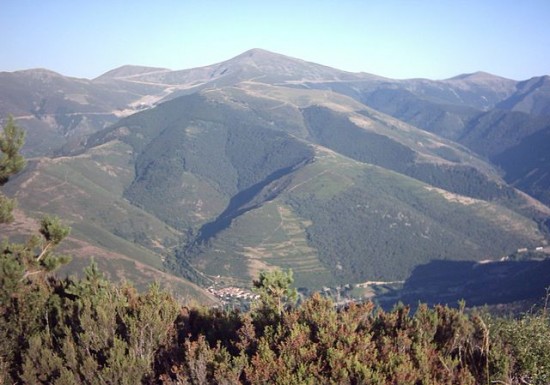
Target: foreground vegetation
[[90, 331]]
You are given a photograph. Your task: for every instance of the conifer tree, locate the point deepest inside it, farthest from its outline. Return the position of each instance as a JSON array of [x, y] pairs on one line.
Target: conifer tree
[[24, 291], [21, 261], [275, 294], [11, 162]]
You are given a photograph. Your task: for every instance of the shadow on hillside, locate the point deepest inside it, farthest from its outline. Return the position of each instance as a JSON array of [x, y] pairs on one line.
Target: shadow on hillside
[[491, 283], [249, 199]]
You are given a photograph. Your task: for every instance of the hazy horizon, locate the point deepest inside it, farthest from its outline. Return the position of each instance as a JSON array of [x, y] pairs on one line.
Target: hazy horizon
[[395, 39]]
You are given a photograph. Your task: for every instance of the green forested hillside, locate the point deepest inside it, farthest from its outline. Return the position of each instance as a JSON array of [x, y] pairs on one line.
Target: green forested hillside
[[487, 114], [527, 164], [358, 222]]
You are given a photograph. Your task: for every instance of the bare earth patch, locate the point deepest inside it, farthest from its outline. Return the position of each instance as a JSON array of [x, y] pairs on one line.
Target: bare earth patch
[[452, 197]]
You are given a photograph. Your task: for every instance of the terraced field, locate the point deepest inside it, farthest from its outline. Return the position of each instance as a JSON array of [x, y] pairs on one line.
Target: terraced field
[[288, 248], [279, 242]]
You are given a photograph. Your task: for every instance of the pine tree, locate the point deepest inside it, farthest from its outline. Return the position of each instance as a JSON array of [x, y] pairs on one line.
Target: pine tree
[[275, 293], [24, 289], [11, 162]]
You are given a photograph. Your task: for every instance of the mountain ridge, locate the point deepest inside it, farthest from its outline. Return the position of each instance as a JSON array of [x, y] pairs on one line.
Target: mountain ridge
[[267, 55], [128, 70]]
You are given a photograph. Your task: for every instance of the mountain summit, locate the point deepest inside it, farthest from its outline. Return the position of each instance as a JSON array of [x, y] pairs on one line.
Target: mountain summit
[[273, 67]]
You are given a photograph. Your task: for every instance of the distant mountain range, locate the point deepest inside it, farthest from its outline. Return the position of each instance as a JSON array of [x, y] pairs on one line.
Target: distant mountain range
[[213, 174]]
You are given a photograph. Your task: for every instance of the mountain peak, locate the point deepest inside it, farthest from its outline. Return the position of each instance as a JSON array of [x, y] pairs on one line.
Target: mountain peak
[[259, 52], [261, 57], [271, 66]]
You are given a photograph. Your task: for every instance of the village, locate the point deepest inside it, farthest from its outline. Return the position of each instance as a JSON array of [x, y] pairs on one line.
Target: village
[[232, 293]]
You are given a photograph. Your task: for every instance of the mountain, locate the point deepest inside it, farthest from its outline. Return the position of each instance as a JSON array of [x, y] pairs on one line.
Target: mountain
[[57, 111], [488, 114], [527, 164], [249, 183], [254, 65], [266, 161], [532, 97]]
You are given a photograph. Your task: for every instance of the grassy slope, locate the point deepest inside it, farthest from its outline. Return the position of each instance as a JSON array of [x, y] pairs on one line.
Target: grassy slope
[[86, 192], [116, 266]]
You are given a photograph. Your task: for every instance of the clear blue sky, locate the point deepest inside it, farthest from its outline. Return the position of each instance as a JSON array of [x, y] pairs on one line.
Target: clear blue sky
[[399, 39]]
